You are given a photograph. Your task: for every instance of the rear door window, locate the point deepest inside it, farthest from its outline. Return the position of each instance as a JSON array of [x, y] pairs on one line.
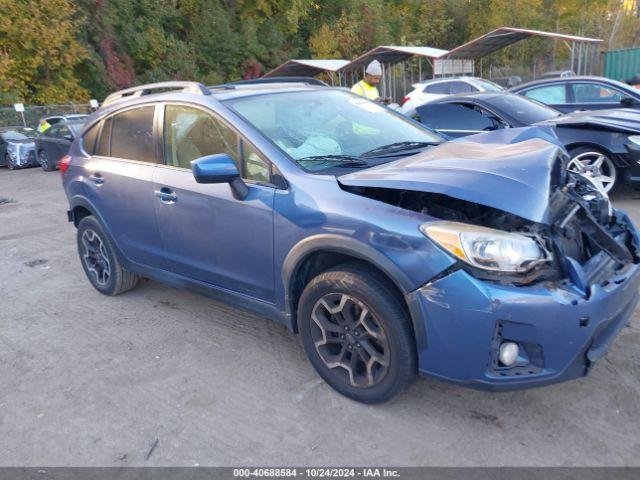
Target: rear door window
[[549, 94], [595, 93], [132, 135]]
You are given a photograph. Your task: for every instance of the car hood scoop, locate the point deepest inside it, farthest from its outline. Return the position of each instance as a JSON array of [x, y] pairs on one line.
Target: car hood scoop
[[513, 170]]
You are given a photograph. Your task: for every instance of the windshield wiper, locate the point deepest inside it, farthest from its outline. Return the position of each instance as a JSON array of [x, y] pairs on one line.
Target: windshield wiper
[[397, 147], [337, 160]]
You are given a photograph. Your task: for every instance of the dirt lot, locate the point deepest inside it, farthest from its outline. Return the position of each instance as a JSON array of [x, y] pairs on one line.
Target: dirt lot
[[159, 376]]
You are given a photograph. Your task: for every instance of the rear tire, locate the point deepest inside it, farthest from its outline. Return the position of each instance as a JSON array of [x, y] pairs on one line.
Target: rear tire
[[596, 164], [100, 261], [356, 333], [45, 163]]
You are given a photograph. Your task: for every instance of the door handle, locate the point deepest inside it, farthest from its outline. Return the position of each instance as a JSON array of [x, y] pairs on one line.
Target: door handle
[[97, 178], [166, 196]]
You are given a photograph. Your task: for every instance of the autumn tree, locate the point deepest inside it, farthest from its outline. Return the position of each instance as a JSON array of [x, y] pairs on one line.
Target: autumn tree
[[39, 51]]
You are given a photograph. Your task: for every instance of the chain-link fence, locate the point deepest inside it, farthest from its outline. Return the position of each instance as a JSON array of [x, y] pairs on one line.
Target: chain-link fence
[[8, 115]]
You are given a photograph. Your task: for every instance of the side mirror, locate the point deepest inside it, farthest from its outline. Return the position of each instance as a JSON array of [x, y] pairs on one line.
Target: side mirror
[[68, 137], [627, 101], [219, 168]]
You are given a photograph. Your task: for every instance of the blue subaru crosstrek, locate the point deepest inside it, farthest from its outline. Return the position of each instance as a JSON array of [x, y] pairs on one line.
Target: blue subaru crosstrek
[[392, 252]]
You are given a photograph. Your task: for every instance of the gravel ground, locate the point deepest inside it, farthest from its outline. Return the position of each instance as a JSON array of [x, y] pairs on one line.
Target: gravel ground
[[160, 376]]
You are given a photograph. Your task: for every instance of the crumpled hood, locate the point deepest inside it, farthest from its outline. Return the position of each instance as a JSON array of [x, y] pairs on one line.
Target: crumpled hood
[[623, 119], [512, 170]]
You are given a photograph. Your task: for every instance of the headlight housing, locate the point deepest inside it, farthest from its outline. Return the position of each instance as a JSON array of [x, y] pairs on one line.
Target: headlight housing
[[634, 139], [487, 248]]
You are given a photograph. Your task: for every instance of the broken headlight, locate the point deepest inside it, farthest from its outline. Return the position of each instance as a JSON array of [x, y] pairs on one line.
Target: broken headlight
[[487, 248]]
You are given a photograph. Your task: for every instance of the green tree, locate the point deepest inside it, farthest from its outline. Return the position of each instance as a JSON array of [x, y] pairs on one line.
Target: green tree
[[39, 51]]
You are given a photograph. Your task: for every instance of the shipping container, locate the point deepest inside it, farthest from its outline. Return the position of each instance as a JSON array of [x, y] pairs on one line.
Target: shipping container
[[622, 64]]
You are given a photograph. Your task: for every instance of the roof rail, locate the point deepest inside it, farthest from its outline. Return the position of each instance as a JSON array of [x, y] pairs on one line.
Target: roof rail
[[186, 87], [264, 81]]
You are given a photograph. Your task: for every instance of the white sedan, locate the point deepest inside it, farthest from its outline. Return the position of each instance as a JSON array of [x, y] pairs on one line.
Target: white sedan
[[433, 89]]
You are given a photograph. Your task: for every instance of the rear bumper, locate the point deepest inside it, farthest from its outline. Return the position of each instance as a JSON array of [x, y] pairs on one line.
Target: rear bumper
[[460, 322]]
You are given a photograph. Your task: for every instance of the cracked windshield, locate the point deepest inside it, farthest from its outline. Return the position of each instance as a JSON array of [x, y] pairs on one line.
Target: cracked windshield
[[328, 129]]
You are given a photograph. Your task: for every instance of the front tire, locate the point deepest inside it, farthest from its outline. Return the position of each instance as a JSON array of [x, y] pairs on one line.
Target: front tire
[[357, 334], [99, 260]]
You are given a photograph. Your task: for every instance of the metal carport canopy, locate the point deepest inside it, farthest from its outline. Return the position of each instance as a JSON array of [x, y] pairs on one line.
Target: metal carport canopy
[[503, 37], [306, 68], [389, 54]]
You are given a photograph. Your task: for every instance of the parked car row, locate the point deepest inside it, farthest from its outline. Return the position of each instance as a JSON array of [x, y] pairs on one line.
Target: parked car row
[[22, 147], [563, 92], [603, 144], [392, 251]]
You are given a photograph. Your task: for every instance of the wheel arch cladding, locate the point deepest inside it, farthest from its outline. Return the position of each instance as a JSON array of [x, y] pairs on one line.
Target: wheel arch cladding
[[317, 254], [80, 212], [81, 208]]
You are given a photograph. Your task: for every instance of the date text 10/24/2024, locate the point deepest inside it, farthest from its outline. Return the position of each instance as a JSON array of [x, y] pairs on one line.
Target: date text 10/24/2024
[[317, 472]]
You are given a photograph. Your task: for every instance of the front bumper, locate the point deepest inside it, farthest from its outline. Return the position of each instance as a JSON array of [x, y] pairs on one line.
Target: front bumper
[[460, 322]]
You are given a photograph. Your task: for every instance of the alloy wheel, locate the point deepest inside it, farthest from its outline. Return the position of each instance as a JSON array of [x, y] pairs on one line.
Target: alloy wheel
[[350, 340], [42, 159], [597, 166], [95, 256]]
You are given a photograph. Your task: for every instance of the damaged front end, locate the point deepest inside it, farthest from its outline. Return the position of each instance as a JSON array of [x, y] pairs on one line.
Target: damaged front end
[[546, 278], [591, 240], [529, 197], [22, 153], [584, 240]]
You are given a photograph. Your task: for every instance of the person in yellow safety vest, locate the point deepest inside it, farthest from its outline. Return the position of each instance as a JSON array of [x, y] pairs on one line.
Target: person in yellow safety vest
[[367, 86], [43, 125]]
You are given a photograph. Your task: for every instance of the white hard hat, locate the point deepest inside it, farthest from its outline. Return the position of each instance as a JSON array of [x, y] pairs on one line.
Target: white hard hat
[[374, 68]]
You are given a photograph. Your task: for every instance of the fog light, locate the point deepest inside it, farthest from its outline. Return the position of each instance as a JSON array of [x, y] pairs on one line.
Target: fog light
[[508, 353]]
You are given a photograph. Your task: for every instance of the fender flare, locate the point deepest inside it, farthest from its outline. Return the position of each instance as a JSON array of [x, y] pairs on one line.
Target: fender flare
[[84, 202], [338, 244]]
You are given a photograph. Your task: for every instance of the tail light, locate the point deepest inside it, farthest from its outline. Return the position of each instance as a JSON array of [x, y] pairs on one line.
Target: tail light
[[63, 165], [404, 100]]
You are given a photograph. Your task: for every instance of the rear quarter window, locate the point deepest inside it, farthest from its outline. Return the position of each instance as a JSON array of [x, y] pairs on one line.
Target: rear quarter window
[[438, 88], [89, 139]]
